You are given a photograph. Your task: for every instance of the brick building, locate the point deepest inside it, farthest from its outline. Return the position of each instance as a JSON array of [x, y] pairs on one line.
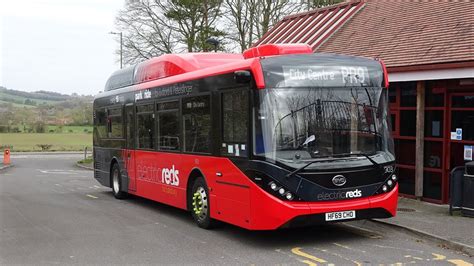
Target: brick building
[[428, 49]]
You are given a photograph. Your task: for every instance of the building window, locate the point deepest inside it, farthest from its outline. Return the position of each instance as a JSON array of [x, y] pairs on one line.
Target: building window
[[407, 123], [433, 154], [168, 126], [408, 94], [465, 121], [434, 96], [463, 101], [432, 185], [145, 126], [392, 94], [197, 124], [434, 124]]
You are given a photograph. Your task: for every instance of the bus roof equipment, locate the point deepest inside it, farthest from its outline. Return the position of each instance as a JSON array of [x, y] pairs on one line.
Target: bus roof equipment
[[175, 64]]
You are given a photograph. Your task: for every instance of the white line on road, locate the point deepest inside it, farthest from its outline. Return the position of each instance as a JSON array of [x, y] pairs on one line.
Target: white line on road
[[90, 196]]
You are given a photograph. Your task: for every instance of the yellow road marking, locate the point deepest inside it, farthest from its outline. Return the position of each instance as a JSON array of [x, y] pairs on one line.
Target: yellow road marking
[[90, 196], [460, 263], [349, 248], [310, 263], [438, 256], [340, 256], [297, 251]]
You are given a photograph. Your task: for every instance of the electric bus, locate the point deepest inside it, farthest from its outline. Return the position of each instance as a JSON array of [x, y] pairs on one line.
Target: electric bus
[[275, 137]]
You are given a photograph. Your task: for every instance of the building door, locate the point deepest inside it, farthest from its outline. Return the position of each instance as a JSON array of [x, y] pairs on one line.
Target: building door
[[129, 156], [461, 125]]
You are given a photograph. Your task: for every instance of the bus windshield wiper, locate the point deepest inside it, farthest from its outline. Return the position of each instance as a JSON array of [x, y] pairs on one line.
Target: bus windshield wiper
[[358, 154], [299, 169], [334, 157], [368, 158], [308, 164]]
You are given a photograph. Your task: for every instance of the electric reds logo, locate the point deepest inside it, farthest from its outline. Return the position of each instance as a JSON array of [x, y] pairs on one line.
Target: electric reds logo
[[340, 195], [170, 176]]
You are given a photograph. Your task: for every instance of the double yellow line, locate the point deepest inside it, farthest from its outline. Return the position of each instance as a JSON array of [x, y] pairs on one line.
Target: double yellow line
[[311, 258]]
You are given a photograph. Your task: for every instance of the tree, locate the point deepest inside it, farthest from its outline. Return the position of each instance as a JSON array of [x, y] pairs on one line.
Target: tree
[[312, 4], [40, 127], [194, 21], [146, 31], [239, 18], [153, 27]]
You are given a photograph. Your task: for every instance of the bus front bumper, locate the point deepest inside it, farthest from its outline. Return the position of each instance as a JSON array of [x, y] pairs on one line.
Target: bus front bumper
[[276, 213]]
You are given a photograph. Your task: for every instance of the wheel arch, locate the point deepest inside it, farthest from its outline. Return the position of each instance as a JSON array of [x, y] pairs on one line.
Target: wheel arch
[[195, 173], [112, 163]]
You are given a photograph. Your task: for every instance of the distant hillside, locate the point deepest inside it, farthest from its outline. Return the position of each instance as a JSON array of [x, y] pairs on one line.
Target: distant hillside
[[22, 111], [17, 97]]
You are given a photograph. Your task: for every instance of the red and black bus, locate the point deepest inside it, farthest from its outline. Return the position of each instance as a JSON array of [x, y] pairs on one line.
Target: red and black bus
[[275, 137]]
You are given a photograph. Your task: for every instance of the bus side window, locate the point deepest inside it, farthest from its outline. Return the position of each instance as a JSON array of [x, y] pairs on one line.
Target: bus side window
[[235, 122], [145, 126], [197, 124], [114, 123], [168, 126], [100, 124]]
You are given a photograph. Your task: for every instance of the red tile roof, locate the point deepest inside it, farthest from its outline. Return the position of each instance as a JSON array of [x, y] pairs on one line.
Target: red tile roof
[[402, 33], [311, 27]]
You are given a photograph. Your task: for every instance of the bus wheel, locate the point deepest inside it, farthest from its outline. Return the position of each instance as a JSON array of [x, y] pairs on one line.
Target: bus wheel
[[117, 182], [200, 207]]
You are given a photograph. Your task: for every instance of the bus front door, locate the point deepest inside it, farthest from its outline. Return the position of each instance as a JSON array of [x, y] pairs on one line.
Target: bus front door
[[130, 149]]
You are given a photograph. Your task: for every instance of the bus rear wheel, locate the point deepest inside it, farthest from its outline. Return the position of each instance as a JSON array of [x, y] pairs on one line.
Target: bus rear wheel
[[200, 204], [117, 182]]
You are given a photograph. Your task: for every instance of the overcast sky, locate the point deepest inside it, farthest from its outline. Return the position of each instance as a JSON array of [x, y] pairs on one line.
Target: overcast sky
[[57, 45]]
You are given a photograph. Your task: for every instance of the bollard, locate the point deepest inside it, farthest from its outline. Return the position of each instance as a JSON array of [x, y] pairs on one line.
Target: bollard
[[6, 156]]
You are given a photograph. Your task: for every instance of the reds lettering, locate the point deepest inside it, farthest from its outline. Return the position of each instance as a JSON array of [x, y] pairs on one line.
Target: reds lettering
[[170, 176]]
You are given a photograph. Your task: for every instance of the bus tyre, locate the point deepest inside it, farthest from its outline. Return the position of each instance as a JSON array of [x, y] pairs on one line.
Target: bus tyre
[[200, 207], [117, 182]]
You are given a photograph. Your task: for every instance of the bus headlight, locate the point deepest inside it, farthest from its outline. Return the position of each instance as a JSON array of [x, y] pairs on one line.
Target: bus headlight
[[274, 186], [281, 191], [388, 185]]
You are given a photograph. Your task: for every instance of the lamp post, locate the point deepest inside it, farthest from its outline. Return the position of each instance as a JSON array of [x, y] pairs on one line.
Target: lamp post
[[121, 47]]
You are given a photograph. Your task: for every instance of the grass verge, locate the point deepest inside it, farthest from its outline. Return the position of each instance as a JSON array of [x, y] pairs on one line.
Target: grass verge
[[58, 141]]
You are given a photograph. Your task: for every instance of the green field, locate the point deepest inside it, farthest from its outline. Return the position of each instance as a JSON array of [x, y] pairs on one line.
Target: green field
[[59, 141], [71, 129], [65, 129]]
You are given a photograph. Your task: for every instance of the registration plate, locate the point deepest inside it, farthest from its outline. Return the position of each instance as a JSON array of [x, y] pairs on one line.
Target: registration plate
[[344, 215]]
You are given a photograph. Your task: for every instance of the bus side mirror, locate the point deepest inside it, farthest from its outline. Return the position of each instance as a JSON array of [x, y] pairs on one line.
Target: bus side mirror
[[242, 76]]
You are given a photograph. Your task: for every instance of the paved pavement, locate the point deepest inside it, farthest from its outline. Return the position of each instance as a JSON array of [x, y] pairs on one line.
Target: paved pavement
[[4, 166], [434, 220], [52, 212]]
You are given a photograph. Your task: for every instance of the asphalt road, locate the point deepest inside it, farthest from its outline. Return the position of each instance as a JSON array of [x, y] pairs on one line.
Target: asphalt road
[[52, 212]]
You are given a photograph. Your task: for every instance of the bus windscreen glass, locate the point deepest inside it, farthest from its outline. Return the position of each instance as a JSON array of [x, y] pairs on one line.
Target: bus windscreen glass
[[314, 113]]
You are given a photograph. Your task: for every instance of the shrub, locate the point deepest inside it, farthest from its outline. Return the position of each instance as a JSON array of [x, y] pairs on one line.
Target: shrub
[[40, 127], [44, 147]]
